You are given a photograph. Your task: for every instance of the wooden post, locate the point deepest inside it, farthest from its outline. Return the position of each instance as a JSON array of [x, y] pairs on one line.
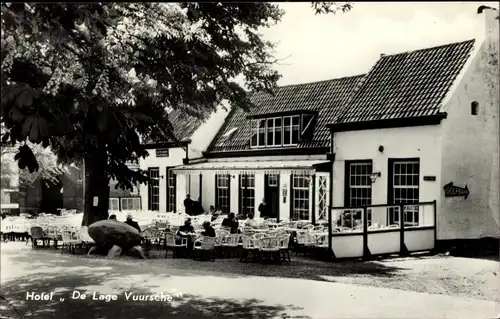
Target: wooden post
[[313, 217], [366, 250], [402, 247]]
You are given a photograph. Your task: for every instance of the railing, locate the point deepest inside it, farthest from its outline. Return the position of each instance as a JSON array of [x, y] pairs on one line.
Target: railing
[[400, 228]]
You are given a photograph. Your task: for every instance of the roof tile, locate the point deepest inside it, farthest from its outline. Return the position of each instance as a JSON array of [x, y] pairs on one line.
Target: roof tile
[[408, 84], [326, 97]]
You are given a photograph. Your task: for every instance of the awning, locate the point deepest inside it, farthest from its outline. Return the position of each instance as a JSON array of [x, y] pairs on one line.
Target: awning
[[267, 167]]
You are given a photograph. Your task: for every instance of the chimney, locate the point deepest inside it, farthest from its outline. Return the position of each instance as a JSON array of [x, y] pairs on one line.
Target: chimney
[[490, 21], [382, 55]]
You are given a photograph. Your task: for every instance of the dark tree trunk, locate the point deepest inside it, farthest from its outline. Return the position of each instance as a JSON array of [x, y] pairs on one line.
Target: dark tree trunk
[[96, 197]]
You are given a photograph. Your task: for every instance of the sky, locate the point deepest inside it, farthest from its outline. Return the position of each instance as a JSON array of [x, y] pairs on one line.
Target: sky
[[321, 47]]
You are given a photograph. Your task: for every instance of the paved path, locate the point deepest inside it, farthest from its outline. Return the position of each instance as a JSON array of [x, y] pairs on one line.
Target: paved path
[[200, 294]]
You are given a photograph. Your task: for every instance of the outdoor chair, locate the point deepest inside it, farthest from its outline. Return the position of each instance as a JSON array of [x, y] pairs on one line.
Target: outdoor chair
[[305, 241], [230, 244], [308, 227], [319, 228], [249, 247], [221, 232], [174, 243], [218, 243], [205, 249], [69, 241], [269, 248], [259, 236], [285, 247], [53, 232], [36, 235]]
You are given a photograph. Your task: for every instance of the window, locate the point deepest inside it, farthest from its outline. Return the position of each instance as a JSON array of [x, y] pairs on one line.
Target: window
[[222, 192], [358, 191], [323, 197], [130, 203], [274, 132], [277, 131], [405, 189], [154, 189], [171, 190], [247, 194], [114, 204], [359, 184], [300, 197], [258, 133], [474, 108], [272, 180]]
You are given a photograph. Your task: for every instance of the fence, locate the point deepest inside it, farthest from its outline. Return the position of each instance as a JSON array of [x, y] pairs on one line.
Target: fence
[[383, 232]]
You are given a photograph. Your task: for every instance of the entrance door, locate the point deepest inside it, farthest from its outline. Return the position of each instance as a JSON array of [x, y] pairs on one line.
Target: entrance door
[[272, 194]]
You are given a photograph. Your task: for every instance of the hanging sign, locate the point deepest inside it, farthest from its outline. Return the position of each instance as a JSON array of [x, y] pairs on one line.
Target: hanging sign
[[454, 191], [162, 152]]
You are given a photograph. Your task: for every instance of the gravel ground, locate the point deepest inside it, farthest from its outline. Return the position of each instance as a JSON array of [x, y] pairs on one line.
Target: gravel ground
[[446, 275]]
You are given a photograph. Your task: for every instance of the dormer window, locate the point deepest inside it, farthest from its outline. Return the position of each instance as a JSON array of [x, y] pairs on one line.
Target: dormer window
[[291, 128], [279, 130]]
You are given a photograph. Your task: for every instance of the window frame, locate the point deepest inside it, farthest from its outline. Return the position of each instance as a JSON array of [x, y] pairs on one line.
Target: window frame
[[411, 214], [133, 198], [242, 190], [349, 188], [227, 195], [295, 212], [112, 199], [171, 189], [255, 131], [153, 205]]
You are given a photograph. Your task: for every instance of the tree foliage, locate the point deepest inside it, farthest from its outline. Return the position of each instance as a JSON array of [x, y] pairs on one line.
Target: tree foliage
[[323, 7], [92, 79]]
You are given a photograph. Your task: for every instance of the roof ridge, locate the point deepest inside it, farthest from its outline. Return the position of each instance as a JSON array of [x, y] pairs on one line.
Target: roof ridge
[[315, 82], [427, 48]]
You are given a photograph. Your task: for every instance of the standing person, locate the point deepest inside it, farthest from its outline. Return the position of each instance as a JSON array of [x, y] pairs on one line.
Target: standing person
[[264, 209], [188, 205], [132, 223], [197, 207]]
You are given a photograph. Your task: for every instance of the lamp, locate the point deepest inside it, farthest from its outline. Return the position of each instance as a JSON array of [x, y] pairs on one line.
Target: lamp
[[374, 176]]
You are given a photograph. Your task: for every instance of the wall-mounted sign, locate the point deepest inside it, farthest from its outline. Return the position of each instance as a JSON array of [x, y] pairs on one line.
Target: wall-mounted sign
[[430, 178], [454, 191], [162, 152]]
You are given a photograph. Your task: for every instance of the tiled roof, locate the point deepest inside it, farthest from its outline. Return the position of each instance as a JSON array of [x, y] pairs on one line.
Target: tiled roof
[[405, 85], [184, 124], [325, 97]]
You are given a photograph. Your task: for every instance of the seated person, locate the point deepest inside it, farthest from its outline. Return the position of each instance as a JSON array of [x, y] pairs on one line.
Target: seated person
[[250, 222], [231, 222], [131, 222], [208, 231], [186, 229]]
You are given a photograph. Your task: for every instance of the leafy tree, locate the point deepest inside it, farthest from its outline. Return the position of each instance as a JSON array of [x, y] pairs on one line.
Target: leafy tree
[[47, 161], [91, 80], [322, 7]]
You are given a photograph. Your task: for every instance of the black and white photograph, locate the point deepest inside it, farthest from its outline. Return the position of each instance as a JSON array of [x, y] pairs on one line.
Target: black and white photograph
[[318, 160]]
